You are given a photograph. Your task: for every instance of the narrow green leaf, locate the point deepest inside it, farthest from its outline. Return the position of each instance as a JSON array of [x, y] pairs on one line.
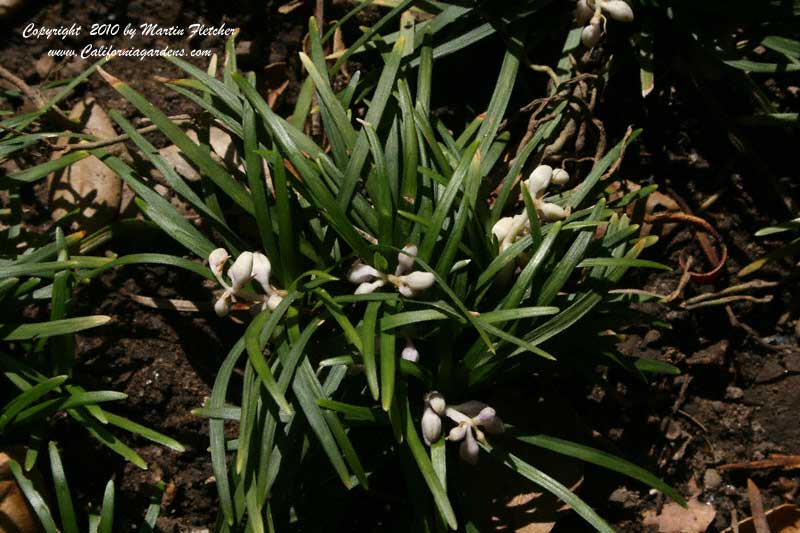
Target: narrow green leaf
[[66, 510]]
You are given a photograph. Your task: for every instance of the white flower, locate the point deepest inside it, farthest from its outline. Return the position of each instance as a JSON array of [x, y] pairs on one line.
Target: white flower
[[431, 426], [273, 301], [410, 352], [560, 176], [361, 273], [248, 266], [469, 417], [552, 212], [591, 35], [223, 304], [217, 259], [369, 278], [538, 181], [242, 271], [436, 402], [414, 283], [405, 259], [583, 12], [261, 271], [468, 451], [368, 287], [617, 10], [502, 228]]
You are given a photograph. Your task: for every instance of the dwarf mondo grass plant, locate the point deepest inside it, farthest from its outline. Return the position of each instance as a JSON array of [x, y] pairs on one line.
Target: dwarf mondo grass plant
[[386, 291], [386, 295]]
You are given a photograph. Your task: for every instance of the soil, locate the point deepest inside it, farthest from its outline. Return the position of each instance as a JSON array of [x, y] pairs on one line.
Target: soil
[[736, 400]]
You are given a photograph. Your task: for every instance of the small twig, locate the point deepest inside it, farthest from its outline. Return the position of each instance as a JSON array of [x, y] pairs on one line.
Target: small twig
[[728, 300], [112, 140], [757, 508], [733, 289], [775, 460], [35, 96], [623, 146], [734, 521], [685, 277], [735, 322]]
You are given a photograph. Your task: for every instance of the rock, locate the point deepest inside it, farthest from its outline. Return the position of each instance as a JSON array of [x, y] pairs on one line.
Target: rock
[[711, 355], [675, 519], [7, 7], [733, 393], [791, 361], [711, 479], [770, 371], [625, 498], [88, 185]]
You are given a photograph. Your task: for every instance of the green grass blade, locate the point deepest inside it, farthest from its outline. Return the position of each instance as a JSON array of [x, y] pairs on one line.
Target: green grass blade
[[66, 511], [606, 460], [388, 369], [368, 335], [34, 498], [107, 511], [17, 332]]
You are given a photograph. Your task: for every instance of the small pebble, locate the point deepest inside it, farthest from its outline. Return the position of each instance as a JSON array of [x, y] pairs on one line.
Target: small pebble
[[733, 393], [711, 479]]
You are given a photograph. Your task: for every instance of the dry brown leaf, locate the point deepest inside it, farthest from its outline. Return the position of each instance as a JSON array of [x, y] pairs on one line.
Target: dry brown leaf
[[275, 81], [172, 303], [175, 159], [88, 185], [16, 514], [782, 519], [675, 519]]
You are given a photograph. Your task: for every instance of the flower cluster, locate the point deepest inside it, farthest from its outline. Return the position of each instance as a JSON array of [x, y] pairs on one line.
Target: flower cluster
[[409, 284], [248, 266], [590, 13], [507, 229], [469, 417]]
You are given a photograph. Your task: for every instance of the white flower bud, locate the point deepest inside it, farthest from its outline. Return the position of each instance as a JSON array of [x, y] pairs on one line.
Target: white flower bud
[[560, 176], [223, 304], [362, 273], [418, 281], [468, 451], [539, 180], [490, 421], [216, 260], [591, 35], [618, 10], [583, 12], [410, 352], [369, 287], [552, 212], [273, 301], [261, 271], [458, 432], [502, 227], [431, 426], [437, 403], [242, 271], [405, 261]]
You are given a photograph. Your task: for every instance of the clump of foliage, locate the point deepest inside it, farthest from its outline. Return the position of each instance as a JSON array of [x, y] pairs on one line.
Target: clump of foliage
[[383, 288]]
